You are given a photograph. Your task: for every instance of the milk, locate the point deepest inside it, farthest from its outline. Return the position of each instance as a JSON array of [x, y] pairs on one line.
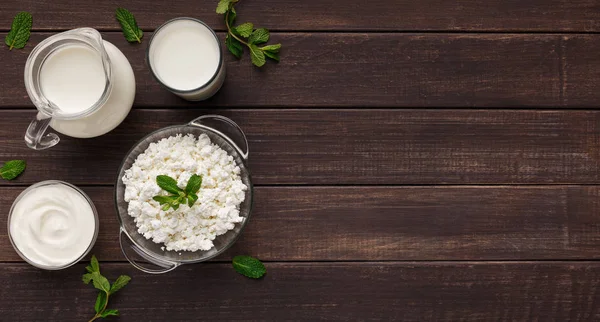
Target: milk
[[115, 109], [73, 78], [185, 56], [81, 85]]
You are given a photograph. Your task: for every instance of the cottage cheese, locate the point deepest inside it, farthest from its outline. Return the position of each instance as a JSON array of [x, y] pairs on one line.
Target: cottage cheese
[[215, 212]]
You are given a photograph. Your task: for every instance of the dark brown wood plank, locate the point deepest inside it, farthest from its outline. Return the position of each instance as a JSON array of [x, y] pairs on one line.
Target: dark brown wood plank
[[350, 146], [581, 70], [393, 223], [450, 291], [376, 70], [461, 15]]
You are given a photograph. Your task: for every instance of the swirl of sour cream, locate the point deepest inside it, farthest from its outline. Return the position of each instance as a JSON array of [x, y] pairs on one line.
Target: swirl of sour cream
[[52, 225]]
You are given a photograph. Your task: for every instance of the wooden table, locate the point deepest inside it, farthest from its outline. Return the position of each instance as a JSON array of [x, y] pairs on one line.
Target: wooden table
[[413, 160]]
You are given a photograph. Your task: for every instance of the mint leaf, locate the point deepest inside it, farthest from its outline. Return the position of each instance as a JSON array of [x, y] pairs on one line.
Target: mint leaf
[[119, 283], [245, 29], [94, 264], [223, 6], [178, 196], [131, 31], [100, 282], [249, 266], [272, 48], [20, 30], [12, 169], [230, 16], [192, 198], [235, 38], [108, 313], [169, 184], [235, 47], [100, 302], [87, 278], [271, 51], [257, 56], [272, 55], [165, 199], [259, 36], [193, 184]]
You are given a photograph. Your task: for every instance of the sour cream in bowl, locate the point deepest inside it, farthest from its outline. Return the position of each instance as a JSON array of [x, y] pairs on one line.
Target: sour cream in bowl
[[52, 225]]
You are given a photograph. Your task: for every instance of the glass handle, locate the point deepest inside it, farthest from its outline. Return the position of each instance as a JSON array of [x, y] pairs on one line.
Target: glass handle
[[214, 123], [165, 266], [35, 138]]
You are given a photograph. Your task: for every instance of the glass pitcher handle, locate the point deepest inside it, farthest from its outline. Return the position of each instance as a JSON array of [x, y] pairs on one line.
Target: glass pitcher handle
[[237, 138], [35, 138]]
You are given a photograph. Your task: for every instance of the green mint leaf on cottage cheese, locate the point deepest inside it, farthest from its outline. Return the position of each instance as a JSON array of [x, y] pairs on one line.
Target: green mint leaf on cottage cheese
[[178, 196], [192, 198], [12, 169], [100, 282], [165, 199], [193, 184], [131, 31], [20, 30], [168, 184], [249, 266]]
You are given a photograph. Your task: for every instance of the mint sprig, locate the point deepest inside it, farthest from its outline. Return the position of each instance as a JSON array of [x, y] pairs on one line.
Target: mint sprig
[[178, 196], [20, 30], [245, 35], [249, 266], [131, 31], [12, 169], [106, 290]]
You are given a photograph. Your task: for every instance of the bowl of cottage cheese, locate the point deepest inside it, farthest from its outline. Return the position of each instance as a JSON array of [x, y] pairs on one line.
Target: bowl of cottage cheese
[[157, 240]]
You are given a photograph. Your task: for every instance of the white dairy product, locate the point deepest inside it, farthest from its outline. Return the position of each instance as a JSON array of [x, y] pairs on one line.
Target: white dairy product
[[73, 78], [52, 225], [220, 196], [114, 110], [185, 55]]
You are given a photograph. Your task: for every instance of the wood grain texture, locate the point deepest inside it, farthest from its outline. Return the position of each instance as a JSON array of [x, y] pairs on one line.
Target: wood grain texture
[[400, 15], [449, 291], [328, 147], [393, 223], [378, 70]]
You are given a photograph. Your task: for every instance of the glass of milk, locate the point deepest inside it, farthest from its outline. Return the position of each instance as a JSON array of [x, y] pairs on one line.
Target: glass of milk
[[185, 57], [81, 85]]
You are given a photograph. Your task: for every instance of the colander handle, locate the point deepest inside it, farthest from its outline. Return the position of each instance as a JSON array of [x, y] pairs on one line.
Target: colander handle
[[165, 265], [205, 122]]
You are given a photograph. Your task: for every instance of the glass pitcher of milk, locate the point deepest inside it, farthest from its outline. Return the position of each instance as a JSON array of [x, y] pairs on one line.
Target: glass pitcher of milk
[[82, 86]]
